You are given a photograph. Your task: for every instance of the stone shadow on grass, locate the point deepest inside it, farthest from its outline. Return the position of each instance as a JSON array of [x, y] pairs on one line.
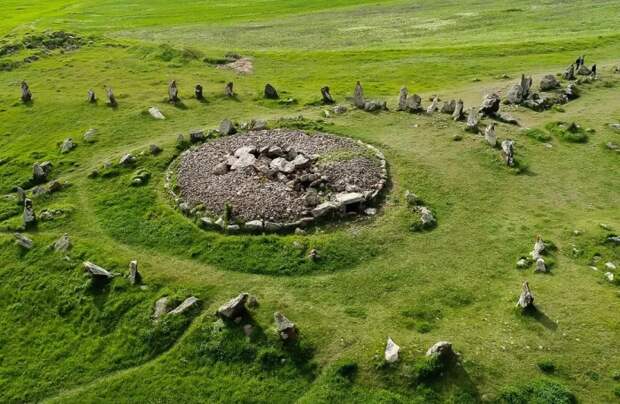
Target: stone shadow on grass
[[538, 315]]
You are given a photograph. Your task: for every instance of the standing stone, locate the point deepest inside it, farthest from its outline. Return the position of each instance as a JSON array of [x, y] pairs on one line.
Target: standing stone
[[40, 172], [21, 195], [30, 218], [489, 135], [327, 97], [26, 94], [285, 327], [472, 120], [448, 107], [358, 96], [414, 103], [198, 92], [63, 244], [391, 351], [233, 308], [402, 99], [569, 73], [519, 92], [227, 128], [549, 82], [572, 91], [508, 152], [67, 145], [111, 98], [457, 115], [173, 92], [540, 265], [230, 92], [92, 98], [490, 105], [89, 135], [270, 92], [539, 248], [134, 276], [434, 106], [526, 299]]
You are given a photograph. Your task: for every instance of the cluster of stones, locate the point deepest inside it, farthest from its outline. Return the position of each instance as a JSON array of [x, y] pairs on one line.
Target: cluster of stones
[[275, 181], [441, 350], [536, 256]]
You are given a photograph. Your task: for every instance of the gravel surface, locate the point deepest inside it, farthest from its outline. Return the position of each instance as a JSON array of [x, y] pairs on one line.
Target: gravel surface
[[256, 194]]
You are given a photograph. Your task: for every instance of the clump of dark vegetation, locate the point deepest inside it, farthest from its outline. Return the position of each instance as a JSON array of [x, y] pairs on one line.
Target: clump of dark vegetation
[[38, 45], [230, 57], [569, 132], [546, 366], [539, 391], [422, 317], [301, 123], [536, 134]]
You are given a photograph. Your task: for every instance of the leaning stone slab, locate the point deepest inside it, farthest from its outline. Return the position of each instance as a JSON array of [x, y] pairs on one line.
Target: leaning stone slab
[[23, 241], [233, 308], [156, 113], [324, 209], [349, 198], [187, 304], [161, 307], [96, 270]]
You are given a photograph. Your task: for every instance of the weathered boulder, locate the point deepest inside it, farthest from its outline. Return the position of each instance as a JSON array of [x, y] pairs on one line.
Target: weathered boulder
[[282, 165], [253, 226], [26, 94], [134, 275], [221, 168], [186, 305], [523, 262], [173, 92], [89, 135], [230, 92], [156, 113], [443, 351], [197, 136], [473, 119], [96, 271], [40, 172], [358, 96], [29, 217], [489, 135], [549, 82], [324, 208], [327, 97], [584, 71], [154, 149], [391, 351], [23, 241], [111, 98], [161, 307], [63, 244], [414, 104], [127, 160], [569, 73], [227, 128], [448, 107], [490, 105], [572, 91], [402, 99], [198, 92], [373, 105], [244, 160], [21, 195], [233, 308], [426, 216], [457, 115], [508, 153], [519, 92], [270, 92], [526, 299], [300, 161], [67, 145], [91, 97], [285, 327]]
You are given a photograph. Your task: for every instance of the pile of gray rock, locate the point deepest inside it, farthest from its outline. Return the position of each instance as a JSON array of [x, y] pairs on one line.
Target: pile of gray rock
[[278, 180]]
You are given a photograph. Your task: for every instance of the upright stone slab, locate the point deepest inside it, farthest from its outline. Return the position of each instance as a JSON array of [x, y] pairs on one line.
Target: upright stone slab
[[402, 99], [392, 351], [327, 97], [457, 115], [508, 152], [173, 92], [29, 217], [358, 96], [270, 92], [198, 92], [526, 299], [111, 98], [448, 107], [285, 327], [569, 73], [490, 105], [229, 90], [134, 275], [26, 94], [63, 244], [473, 118], [434, 106], [489, 135], [91, 98]]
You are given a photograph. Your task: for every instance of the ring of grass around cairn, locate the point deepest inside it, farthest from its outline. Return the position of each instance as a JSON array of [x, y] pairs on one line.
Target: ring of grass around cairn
[[276, 180]]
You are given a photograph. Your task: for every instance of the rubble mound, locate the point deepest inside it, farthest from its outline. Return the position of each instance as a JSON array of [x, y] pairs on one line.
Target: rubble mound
[[273, 180]]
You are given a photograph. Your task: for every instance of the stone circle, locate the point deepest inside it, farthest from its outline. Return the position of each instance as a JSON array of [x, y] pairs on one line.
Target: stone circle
[[277, 180]]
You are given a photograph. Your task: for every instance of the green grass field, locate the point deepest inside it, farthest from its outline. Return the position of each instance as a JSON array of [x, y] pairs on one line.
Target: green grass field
[[63, 339]]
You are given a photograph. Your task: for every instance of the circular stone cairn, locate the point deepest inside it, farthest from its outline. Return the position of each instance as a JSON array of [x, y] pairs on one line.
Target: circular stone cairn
[[278, 180]]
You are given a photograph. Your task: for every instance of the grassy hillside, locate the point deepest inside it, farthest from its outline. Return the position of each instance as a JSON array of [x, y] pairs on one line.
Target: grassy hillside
[[64, 339]]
